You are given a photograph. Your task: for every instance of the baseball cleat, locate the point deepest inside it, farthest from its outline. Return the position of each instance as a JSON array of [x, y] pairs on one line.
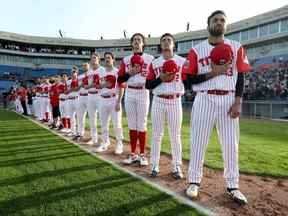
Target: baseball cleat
[[119, 148], [102, 148], [192, 191], [237, 196], [177, 173], [143, 160], [131, 159]]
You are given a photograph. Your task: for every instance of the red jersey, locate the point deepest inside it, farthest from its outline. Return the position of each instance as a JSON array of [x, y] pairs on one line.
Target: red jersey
[[54, 95]]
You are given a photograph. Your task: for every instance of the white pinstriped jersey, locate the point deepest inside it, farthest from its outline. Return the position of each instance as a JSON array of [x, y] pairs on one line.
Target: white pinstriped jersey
[[110, 91], [92, 73], [176, 86], [138, 79], [83, 80], [200, 63]]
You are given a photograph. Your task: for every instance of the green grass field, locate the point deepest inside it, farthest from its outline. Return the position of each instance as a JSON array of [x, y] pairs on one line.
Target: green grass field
[[263, 148], [42, 174]]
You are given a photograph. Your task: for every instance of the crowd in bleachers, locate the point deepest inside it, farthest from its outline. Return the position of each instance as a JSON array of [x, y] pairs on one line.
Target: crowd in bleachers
[[268, 81]]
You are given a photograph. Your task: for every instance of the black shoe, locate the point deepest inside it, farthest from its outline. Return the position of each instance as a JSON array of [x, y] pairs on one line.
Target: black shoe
[[154, 173], [177, 173], [76, 138], [60, 127]]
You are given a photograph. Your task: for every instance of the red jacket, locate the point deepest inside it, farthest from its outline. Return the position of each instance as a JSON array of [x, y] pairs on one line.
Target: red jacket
[[54, 95]]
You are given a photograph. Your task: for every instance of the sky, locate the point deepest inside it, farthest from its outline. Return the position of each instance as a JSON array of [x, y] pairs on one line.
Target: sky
[[91, 19]]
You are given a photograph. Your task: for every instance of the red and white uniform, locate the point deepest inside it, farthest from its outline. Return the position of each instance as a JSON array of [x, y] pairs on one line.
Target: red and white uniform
[[166, 105], [72, 86], [93, 101], [45, 103], [63, 104], [108, 99], [36, 102], [83, 80], [136, 102], [210, 109], [18, 105]]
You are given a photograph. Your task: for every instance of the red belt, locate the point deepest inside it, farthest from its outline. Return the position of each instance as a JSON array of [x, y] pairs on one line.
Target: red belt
[[108, 96], [93, 92], [83, 94], [136, 87], [217, 92], [169, 96], [72, 98]]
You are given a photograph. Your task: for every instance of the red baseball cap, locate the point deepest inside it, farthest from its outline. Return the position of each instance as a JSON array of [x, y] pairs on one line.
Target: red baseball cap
[[221, 54], [137, 59], [111, 79], [170, 67]]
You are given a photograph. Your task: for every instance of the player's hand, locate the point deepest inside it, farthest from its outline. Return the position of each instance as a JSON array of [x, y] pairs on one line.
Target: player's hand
[[118, 106], [166, 76], [234, 111], [219, 69]]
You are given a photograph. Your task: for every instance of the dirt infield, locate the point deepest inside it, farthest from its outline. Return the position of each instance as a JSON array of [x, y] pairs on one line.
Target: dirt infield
[[266, 195]]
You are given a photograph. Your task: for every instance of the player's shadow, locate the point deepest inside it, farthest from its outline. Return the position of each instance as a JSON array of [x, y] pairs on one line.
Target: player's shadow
[[46, 174], [50, 157], [36, 149], [134, 208], [21, 143], [38, 199]]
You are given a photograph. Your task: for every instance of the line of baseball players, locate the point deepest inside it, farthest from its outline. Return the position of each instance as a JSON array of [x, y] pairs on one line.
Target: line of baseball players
[[214, 68]]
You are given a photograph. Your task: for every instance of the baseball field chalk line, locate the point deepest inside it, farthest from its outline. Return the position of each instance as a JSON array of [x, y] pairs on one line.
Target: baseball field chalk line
[[178, 197]]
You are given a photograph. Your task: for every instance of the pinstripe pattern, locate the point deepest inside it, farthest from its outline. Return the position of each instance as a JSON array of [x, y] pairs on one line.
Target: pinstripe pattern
[[170, 109], [45, 107], [106, 111], [174, 87], [93, 104], [137, 101], [222, 82], [207, 111], [81, 113], [72, 108], [137, 108]]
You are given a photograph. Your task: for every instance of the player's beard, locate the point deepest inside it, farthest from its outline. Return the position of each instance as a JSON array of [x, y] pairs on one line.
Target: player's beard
[[216, 31]]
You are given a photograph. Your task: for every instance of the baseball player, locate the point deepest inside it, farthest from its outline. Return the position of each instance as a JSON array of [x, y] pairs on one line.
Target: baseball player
[[36, 102], [83, 82], [63, 104], [93, 95], [111, 94], [54, 93], [165, 78], [18, 105], [136, 98], [23, 98], [216, 68], [45, 102], [72, 86]]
